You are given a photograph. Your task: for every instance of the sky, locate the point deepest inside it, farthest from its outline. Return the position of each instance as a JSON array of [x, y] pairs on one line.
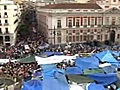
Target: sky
[[81, 1]]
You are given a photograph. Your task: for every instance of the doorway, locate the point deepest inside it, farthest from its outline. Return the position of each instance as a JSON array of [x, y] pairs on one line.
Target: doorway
[[112, 36]]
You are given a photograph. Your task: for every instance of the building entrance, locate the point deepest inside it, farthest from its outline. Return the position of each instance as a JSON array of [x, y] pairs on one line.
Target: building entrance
[[112, 36]]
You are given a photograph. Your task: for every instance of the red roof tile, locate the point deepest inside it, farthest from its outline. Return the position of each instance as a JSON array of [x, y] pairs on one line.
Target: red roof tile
[[72, 6]]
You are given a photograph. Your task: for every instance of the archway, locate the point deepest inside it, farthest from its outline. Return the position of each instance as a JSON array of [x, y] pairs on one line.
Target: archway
[[112, 36]]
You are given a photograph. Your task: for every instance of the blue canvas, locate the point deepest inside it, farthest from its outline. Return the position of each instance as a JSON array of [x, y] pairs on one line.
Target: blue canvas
[[94, 86], [87, 62], [104, 79], [73, 70], [32, 85]]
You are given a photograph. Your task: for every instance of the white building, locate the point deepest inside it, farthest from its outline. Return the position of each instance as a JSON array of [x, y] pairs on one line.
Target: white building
[[9, 18], [76, 22]]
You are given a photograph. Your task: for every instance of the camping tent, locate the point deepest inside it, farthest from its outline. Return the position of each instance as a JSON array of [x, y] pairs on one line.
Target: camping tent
[[93, 86], [106, 56]]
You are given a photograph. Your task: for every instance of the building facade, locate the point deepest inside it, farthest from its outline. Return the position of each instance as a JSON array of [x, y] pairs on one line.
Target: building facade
[[78, 23], [9, 18]]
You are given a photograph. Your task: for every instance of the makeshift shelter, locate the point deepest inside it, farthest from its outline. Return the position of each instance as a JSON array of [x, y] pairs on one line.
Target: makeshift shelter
[[32, 85], [28, 59], [53, 78], [106, 56], [94, 86], [104, 79], [87, 62], [73, 70]]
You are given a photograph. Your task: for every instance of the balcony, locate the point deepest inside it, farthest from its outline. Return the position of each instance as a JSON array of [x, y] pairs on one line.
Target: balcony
[[6, 24], [92, 25], [99, 25], [85, 25]]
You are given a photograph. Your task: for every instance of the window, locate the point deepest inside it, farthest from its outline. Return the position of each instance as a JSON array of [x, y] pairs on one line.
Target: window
[[85, 21], [77, 22], [113, 20], [58, 33], [5, 7], [7, 38], [84, 38], [119, 20], [98, 37], [91, 37], [70, 23], [6, 21], [73, 38], [0, 31], [92, 21], [66, 38], [6, 30], [106, 37], [99, 21], [70, 38], [58, 23], [81, 37], [106, 20], [106, 6], [118, 36], [5, 13], [59, 39], [114, 0], [77, 38]]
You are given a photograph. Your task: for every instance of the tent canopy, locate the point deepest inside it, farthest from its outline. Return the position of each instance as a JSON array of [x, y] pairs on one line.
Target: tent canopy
[[106, 56], [28, 59], [73, 70], [104, 79], [93, 86], [87, 62], [32, 85]]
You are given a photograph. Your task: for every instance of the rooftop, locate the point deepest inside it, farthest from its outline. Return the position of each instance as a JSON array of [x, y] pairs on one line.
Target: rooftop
[[72, 6]]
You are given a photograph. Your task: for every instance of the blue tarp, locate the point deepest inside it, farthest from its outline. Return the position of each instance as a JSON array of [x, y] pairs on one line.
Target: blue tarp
[[109, 69], [106, 56], [48, 70], [87, 62], [73, 70], [52, 53], [32, 85], [56, 82], [104, 79], [54, 78], [94, 86], [37, 73]]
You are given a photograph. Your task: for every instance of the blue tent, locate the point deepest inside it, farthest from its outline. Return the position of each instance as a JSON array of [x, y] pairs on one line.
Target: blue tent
[[52, 53], [87, 62], [54, 78], [73, 70], [109, 69], [106, 56], [32, 85], [37, 73], [94, 86], [104, 79]]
